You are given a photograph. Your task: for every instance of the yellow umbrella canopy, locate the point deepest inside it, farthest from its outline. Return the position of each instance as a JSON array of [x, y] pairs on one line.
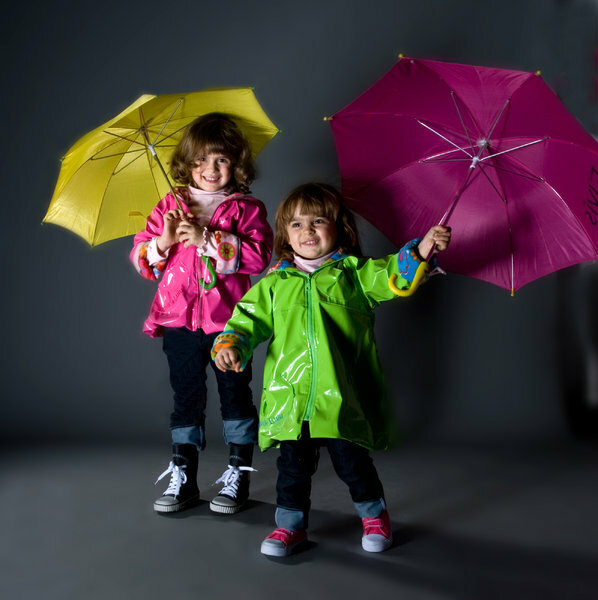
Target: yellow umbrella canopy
[[111, 178]]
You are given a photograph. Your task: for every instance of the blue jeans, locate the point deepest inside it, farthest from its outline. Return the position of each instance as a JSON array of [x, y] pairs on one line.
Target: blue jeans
[[188, 354], [298, 462]]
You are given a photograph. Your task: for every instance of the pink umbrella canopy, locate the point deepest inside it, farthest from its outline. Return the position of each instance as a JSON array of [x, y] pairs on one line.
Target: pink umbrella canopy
[[492, 153]]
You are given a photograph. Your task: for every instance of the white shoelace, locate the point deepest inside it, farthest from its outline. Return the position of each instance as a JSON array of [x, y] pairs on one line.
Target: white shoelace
[[231, 479], [178, 478]]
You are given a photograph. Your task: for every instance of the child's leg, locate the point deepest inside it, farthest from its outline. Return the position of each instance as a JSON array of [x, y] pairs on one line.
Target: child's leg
[[355, 467], [239, 418], [186, 356], [187, 363], [297, 463], [239, 415]]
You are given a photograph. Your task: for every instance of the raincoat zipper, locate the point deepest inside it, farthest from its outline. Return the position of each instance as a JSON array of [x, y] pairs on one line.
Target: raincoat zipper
[[311, 344]]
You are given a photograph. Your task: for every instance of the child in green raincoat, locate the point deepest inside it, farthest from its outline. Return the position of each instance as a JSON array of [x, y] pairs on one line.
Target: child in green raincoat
[[323, 383]]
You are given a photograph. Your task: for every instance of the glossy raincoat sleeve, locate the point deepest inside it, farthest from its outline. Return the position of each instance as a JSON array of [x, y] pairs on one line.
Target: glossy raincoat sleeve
[[373, 273], [251, 323], [154, 226], [256, 237]]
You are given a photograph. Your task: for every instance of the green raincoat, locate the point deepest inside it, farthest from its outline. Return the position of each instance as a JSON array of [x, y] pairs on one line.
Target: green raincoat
[[322, 365]]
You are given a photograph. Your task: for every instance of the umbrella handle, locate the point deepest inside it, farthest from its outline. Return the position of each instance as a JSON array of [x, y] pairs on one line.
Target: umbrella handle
[[420, 274], [210, 267]]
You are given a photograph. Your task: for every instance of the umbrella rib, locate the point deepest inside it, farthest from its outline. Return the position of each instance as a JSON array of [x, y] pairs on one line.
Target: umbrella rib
[[513, 149], [116, 171], [507, 102], [444, 138], [520, 173], [433, 159], [168, 120], [453, 96], [161, 142], [503, 198], [125, 138], [117, 154]]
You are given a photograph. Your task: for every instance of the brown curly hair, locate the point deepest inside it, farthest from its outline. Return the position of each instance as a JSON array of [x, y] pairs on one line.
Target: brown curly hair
[[320, 199], [214, 132]]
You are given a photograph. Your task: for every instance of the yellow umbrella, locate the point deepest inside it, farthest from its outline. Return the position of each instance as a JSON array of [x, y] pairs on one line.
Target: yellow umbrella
[[110, 179]]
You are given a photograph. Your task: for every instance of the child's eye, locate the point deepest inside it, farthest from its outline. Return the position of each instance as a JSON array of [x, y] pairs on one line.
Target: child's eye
[[295, 225]]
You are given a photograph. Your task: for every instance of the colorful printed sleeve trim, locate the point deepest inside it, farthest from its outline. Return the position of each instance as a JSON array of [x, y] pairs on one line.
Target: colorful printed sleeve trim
[[224, 248], [232, 339], [408, 259], [143, 266]]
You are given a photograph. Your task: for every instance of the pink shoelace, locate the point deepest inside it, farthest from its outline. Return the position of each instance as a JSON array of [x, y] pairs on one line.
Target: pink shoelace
[[375, 525], [285, 536]]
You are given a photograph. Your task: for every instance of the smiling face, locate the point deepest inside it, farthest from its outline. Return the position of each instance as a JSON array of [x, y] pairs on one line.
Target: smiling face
[[212, 171], [311, 235]]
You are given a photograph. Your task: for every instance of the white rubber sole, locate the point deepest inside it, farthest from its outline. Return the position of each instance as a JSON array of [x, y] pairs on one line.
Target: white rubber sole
[[280, 550], [225, 510], [376, 543], [175, 506]]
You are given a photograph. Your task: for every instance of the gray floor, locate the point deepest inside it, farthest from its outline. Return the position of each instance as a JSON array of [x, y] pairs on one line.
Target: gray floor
[[469, 522]]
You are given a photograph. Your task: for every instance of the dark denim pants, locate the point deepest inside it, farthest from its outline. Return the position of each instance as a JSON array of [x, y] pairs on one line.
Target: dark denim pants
[[188, 354], [298, 462]]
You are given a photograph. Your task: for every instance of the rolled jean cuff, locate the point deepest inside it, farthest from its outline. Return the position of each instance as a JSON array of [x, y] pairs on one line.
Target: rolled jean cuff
[[369, 509], [240, 431], [293, 520], [194, 434]]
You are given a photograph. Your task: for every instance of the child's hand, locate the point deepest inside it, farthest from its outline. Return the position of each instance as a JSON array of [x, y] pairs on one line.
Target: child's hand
[[228, 359], [169, 237], [190, 233], [436, 240]]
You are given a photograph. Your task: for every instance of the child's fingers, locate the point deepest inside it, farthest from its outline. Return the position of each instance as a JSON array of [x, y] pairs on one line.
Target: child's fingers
[[184, 227], [227, 362]]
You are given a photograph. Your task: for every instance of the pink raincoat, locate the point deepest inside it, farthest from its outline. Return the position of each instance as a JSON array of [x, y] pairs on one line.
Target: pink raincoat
[[180, 300]]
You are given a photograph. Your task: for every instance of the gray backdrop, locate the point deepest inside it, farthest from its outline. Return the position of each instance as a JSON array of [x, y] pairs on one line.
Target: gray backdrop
[[464, 359]]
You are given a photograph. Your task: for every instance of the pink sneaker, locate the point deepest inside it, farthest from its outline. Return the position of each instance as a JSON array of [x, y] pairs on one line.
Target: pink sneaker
[[377, 533], [282, 542]]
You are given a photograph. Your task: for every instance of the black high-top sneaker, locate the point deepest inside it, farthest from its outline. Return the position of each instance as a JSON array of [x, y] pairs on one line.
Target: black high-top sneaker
[[182, 491], [235, 491]]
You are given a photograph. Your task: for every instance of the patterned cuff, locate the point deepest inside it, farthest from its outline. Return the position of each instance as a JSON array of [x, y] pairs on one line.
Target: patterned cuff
[[224, 248], [409, 259], [232, 339], [145, 268]]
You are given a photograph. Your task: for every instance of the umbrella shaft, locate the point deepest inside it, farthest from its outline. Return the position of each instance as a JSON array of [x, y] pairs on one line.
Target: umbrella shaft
[[155, 155]]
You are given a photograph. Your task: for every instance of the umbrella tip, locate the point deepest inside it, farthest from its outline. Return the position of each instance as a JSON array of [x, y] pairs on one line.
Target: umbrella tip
[[401, 55], [538, 72], [328, 118]]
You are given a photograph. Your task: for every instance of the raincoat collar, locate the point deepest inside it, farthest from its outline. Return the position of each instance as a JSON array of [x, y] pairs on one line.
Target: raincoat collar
[[284, 263]]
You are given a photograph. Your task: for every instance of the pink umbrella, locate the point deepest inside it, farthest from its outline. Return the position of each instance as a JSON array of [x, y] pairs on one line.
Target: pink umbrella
[[493, 153]]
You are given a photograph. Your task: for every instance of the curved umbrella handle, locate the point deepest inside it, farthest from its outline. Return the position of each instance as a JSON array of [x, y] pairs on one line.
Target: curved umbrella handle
[[210, 267], [420, 274]]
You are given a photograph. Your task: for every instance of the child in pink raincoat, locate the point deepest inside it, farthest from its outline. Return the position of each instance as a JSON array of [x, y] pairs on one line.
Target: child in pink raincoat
[[203, 246]]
